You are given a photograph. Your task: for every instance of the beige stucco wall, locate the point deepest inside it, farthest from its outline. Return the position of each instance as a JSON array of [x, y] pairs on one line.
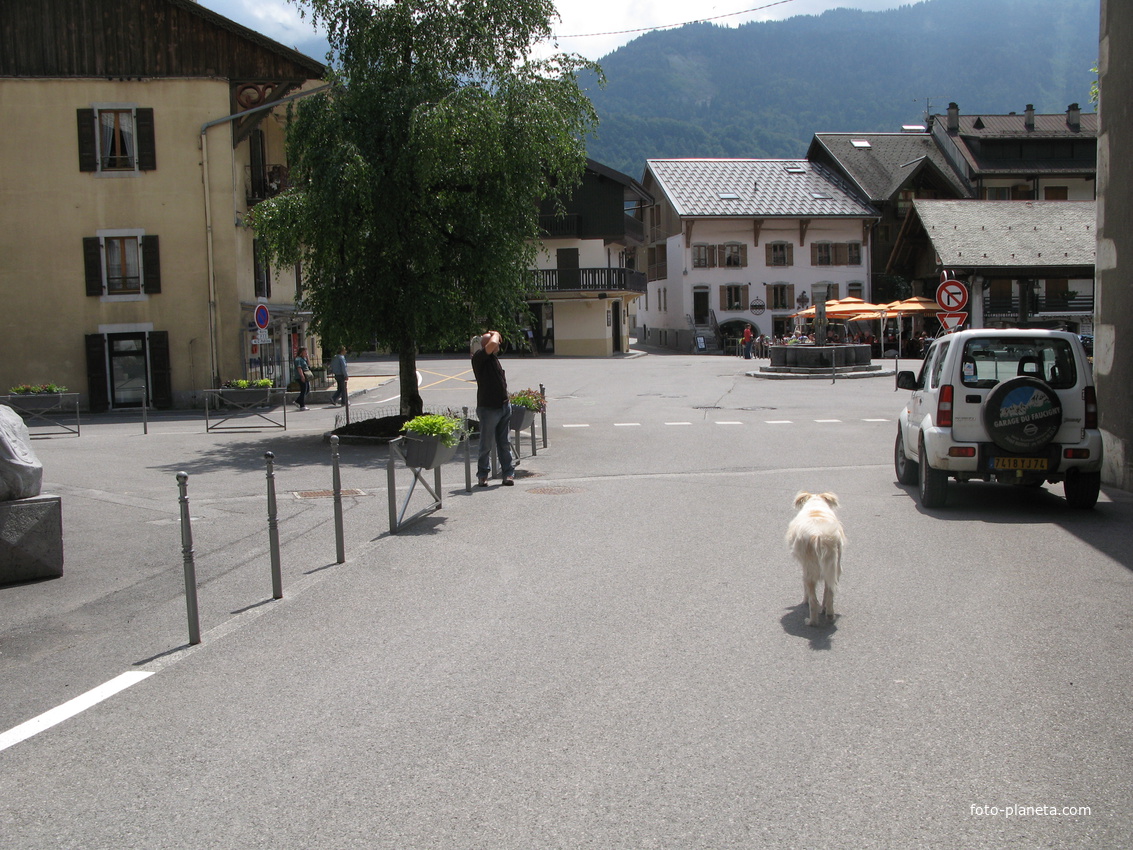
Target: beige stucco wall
[[47, 207], [581, 329]]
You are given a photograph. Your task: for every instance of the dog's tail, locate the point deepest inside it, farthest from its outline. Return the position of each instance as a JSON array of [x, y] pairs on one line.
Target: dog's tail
[[828, 554]]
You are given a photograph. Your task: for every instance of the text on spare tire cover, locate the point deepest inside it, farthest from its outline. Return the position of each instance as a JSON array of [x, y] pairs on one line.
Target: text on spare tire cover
[[1031, 410]]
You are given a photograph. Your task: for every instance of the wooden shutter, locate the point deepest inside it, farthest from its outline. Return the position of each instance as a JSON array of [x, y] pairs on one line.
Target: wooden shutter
[[832, 291], [98, 392], [723, 297], [160, 370], [88, 145], [92, 264], [151, 266], [743, 257], [814, 253], [769, 259], [745, 296], [790, 249], [790, 295], [721, 255], [841, 254], [147, 151]]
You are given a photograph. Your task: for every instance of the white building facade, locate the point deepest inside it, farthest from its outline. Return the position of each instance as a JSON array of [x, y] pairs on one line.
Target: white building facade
[[733, 242]]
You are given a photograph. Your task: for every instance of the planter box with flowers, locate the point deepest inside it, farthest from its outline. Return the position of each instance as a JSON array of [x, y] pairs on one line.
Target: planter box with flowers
[[524, 405], [37, 397], [243, 394], [431, 439]]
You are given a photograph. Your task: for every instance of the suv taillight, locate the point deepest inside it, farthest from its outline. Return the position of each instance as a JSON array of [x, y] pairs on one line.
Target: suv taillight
[[1091, 398], [944, 407]]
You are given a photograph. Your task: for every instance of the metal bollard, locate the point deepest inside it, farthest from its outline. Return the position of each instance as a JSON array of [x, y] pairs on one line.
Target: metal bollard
[[340, 543], [273, 530], [467, 454], [543, 415], [187, 557], [145, 410]]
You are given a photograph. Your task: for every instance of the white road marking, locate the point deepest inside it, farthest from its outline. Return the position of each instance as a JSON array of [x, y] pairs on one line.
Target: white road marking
[[678, 423], [70, 708], [729, 423], [627, 424], [778, 422], [827, 420], [875, 420], [576, 426]]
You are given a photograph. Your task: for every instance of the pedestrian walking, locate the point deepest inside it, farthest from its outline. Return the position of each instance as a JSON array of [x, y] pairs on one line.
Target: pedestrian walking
[[304, 376], [493, 408], [339, 370], [747, 341]]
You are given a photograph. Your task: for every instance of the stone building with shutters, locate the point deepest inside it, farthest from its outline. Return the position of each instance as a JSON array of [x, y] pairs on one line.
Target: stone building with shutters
[[732, 242], [147, 129]]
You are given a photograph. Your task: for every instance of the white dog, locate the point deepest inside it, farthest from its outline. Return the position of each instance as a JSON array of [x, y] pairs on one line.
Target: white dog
[[815, 537]]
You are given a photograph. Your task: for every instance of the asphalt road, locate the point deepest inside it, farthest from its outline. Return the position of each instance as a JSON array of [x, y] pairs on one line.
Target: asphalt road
[[610, 654]]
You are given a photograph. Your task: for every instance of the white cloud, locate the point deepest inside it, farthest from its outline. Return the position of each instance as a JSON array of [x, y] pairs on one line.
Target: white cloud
[[602, 24]]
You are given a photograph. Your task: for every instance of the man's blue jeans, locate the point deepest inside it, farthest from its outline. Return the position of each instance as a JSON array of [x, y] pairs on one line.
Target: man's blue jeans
[[495, 422]]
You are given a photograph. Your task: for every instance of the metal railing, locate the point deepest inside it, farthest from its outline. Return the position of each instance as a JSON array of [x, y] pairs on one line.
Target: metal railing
[[589, 280]]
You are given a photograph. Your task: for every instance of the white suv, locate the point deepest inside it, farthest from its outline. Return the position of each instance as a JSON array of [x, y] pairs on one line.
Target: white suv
[[1014, 406]]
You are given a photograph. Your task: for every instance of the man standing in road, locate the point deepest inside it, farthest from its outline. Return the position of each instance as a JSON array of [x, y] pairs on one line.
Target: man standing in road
[[338, 369], [493, 409]]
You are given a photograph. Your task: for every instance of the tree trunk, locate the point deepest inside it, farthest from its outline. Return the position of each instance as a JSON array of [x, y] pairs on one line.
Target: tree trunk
[[411, 404]]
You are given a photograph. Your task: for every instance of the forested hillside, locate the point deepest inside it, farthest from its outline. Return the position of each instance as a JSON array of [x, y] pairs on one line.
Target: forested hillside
[[764, 89]]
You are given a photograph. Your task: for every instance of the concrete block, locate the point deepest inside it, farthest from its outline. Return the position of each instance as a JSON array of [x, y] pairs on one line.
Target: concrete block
[[31, 539]]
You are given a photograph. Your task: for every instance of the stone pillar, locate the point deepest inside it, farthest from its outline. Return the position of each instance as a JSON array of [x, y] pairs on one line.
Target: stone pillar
[[1113, 348]]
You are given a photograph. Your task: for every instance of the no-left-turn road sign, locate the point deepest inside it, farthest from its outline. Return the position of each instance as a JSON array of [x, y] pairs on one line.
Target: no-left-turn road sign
[[952, 296]]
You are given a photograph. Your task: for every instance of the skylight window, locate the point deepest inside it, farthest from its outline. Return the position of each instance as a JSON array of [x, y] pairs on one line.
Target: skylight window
[[860, 143], [728, 196], [795, 169], [821, 196]]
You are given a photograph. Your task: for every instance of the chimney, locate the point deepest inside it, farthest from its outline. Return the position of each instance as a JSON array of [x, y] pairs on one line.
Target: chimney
[[1029, 119], [1074, 117], [953, 125]]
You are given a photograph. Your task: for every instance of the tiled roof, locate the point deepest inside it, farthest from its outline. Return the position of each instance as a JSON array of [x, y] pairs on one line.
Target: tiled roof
[[1047, 126], [1011, 233], [882, 165], [755, 188]]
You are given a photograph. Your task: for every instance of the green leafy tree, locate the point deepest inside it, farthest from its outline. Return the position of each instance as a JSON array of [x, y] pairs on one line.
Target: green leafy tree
[[417, 177]]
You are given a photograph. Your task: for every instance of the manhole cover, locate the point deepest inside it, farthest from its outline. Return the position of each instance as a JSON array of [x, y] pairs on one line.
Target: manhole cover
[[553, 491], [325, 494]]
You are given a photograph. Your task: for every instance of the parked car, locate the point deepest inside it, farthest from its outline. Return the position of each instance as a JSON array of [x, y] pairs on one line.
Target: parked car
[[1012, 406], [1087, 343]]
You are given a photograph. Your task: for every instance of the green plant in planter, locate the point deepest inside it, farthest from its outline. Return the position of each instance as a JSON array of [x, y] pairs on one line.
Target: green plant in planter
[[36, 389], [448, 429], [242, 384], [529, 398]]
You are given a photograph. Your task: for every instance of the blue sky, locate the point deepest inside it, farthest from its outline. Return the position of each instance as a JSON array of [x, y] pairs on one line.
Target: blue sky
[[592, 28]]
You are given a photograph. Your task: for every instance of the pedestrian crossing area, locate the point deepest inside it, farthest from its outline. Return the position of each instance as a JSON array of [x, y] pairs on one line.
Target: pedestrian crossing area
[[725, 423]]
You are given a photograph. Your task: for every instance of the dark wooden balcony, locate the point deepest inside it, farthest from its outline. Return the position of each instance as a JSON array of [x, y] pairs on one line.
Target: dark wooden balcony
[[261, 184], [589, 280], [1039, 305]]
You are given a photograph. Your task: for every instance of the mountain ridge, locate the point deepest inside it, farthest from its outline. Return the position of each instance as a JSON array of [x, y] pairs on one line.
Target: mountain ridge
[[764, 88]]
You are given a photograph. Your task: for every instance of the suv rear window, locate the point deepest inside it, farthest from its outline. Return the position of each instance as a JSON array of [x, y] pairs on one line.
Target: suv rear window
[[986, 361]]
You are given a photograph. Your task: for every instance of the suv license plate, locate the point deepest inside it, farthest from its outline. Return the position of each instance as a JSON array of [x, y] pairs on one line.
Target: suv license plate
[[1038, 464]]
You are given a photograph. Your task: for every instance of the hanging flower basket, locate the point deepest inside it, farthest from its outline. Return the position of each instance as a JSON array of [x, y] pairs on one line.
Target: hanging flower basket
[[521, 417], [427, 452]]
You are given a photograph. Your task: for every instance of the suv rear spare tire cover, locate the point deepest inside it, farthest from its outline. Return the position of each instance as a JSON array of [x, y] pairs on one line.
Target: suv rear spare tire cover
[[1022, 415]]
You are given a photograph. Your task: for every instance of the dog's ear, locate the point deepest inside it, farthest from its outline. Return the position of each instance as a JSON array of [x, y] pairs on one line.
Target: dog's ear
[[829, 498], [801, 498]]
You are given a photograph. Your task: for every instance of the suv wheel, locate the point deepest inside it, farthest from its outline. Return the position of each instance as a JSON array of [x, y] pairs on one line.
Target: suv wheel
[[1022, 414], [1082, 488], [906, 469], [932, 484]]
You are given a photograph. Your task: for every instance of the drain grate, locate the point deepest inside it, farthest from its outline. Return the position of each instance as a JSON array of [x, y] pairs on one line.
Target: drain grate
[[325, 494], [553, 491]]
